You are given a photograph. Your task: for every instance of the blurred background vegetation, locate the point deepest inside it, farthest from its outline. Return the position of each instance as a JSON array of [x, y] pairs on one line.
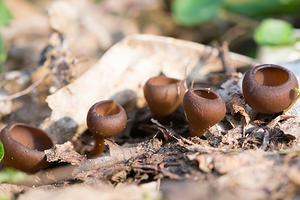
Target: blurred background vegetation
[[256, 28], [270, 23]]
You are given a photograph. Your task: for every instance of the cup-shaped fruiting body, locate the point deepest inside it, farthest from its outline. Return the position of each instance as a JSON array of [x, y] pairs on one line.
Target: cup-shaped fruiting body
[[24, 147], [105, 119], [203, 108], [269, 88], [163, 95]]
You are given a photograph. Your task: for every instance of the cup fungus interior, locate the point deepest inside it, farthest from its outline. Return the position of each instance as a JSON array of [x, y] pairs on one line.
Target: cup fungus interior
[[107, 108], [31, 138], [207, 94], [271, 76], [161, 80]]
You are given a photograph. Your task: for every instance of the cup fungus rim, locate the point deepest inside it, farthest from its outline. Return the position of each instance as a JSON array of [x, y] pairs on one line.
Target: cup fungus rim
[[254, 70], [8, 128], [95, 106], [208, 90], [176, 81]]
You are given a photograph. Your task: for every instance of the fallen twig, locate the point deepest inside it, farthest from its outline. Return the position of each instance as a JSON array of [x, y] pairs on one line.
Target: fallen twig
[[23, 92], [187, 144], [224, 56]]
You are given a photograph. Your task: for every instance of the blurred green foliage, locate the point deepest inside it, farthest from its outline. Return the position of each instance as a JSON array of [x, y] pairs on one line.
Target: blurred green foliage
[[5, 14], [262, 8], [273, 32], [5, 18], [12, 175], [2, 52], [196, 12]]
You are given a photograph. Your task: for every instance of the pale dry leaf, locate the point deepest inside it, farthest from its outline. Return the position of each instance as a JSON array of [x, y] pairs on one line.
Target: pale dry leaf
[[233, 135]]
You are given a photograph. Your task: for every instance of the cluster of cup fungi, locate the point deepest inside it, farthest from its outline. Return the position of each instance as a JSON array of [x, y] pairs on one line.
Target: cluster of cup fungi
[[266, 88]]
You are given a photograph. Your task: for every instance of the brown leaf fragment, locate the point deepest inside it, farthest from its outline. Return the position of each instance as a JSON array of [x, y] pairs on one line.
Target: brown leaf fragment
[[233, 135], [114, 149], [237, 105], [226, 163], [231, 92], [119, 176], [275, 121], [64, 153], [11, 189], [171, 175], [290, 127], [205, 163]]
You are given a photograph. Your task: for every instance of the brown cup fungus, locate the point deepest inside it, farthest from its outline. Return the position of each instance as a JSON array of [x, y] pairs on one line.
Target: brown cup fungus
[[24, 147], [105, 119], [204, 108], [163, 95], [269, 88]]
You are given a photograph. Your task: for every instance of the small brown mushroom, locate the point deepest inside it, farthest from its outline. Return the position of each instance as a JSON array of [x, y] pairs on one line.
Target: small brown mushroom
[[163, 95], [24, 147], [105, 119], [269, 88], [204, 108]]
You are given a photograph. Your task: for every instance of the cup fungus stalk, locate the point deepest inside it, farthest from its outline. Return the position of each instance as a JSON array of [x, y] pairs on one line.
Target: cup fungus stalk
[[105, 119]]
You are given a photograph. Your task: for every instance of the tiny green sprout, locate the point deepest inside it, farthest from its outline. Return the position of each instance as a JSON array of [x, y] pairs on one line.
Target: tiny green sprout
[[1, 151], [298, 91]]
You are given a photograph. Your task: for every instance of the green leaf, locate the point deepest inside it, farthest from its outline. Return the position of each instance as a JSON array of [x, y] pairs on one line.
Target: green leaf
[[12, 175], [1, 151], [262, 8], [273, 32], [195, 12], [2, 53], [5, 14]]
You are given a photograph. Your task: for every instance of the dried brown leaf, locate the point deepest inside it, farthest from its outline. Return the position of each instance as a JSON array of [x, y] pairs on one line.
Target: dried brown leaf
[[233, 135], [64, 153]]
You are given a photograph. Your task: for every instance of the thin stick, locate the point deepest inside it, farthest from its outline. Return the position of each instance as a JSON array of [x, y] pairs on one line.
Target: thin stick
[[225, 59], [23, 92]]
